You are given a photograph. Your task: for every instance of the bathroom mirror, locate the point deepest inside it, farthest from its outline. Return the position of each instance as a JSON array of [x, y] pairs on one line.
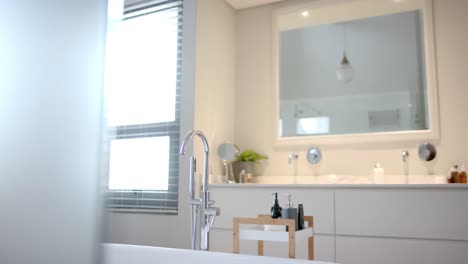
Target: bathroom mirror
[[354, 71]]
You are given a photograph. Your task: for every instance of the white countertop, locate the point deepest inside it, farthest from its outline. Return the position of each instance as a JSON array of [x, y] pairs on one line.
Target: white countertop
[[346, 181], [336, 186]]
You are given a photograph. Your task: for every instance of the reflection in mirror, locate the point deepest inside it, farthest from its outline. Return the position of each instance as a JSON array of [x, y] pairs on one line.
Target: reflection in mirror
[[357, 76]]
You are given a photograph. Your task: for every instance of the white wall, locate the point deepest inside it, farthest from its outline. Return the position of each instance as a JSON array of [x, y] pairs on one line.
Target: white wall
[[452, 60], [254, 99], [215, 77], [209, 70]]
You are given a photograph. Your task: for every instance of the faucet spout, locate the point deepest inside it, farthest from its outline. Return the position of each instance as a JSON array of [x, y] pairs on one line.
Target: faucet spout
[[206, 148], [189, 136]]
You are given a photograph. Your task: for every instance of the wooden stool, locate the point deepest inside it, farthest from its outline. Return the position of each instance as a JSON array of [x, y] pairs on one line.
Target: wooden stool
[[262, 235]]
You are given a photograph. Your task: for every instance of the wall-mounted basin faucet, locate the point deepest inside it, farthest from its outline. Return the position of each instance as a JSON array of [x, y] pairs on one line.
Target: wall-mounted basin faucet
[[201, 207], [292, 161], [292, 157], [405, 155]]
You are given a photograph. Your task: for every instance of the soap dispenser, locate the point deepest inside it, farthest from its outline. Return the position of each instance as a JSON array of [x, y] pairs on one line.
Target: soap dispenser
[[462, 174], [378, 174], [290, 212], [454, 174], [242, 176], [276, 208]]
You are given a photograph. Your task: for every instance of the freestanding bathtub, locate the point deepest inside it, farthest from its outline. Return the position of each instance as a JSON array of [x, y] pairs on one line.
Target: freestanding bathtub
[[129, 254]]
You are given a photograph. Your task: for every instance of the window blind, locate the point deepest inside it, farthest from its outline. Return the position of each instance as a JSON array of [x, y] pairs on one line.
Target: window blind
[[143, 64]]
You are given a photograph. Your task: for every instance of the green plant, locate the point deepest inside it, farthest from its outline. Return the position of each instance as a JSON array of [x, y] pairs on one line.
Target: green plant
[[250, 155]]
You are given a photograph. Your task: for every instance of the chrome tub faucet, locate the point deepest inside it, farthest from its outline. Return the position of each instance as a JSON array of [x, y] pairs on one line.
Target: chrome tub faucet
[[203, 213]]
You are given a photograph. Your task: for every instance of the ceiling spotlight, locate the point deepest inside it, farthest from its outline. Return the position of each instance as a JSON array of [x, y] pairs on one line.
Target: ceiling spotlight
[[305, 13]]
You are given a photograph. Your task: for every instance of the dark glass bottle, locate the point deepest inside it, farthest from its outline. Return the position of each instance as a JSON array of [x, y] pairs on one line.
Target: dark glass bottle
[[276, 208], [462, 174], [300, 216], [454, 175]]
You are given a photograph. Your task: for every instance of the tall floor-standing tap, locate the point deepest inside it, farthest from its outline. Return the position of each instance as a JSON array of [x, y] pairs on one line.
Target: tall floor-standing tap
[[201, 206]]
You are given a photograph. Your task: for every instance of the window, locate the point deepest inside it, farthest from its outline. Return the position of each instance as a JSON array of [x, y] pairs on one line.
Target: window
[[143, 67], [313, 125]]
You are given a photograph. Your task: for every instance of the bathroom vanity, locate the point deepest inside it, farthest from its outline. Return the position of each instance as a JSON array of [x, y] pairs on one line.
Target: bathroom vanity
[[359, 223]]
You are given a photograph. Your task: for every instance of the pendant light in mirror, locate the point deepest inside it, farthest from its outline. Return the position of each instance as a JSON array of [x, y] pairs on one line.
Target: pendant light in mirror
[[345, 72]]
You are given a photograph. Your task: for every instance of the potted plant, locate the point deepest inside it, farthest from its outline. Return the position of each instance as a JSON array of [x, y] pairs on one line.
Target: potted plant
[[247, 161]]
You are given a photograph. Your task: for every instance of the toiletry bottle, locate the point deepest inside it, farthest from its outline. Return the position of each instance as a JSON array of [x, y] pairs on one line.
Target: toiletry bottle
[[276, 208], [248, 178], [462, 174], [378, 174], [300, 217], [289, 212], [454, 176], [450, 177], [242, 176]]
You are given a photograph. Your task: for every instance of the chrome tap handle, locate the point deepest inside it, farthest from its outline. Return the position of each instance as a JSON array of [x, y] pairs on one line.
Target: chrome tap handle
[[212, 212]]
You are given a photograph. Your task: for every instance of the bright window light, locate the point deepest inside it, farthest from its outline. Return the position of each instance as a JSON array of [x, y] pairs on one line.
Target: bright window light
[[139, 164], [313, 125], [141, 70]]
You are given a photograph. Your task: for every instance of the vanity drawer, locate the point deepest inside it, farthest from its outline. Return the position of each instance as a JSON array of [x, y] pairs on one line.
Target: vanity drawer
[[249, 202], [366, 250], [406, 213]]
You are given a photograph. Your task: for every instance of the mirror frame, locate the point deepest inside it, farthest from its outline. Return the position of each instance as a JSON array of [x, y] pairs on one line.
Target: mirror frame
[[406, 137]]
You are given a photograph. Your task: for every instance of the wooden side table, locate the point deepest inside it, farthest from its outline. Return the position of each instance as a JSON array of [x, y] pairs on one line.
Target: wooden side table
[[258, 233]]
